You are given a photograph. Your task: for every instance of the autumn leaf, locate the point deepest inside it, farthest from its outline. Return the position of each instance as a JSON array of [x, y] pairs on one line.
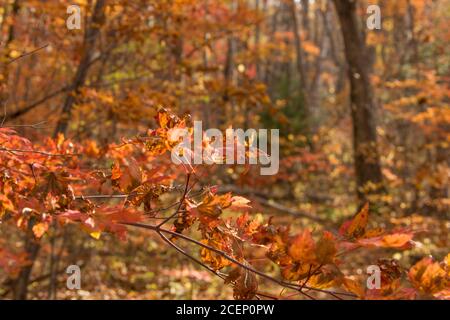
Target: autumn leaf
[[302, 248], [429, 277], [353, 286], [116, 173], [95, 234], [246, 286], [213, 205], [326, 248], [398, 239], [356, 227], [239, 203], [211, 258], [145, 194], [39, 229], [328, 276], [128, 176], [5, 205]]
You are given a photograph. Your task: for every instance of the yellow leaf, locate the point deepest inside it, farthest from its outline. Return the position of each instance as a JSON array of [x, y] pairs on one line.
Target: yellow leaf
[[353, 286], [39, 229], [96, 234], [356, 227], [14, 54]]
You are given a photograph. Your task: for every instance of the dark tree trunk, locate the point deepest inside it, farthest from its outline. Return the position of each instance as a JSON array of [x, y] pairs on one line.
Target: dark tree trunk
[[91, 35], [20, 285], [4, 58], [366, 157], [32, 248], [301, 70]]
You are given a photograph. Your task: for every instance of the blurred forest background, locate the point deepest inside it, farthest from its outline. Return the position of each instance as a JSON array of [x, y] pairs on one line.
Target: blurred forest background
[[363, 116]]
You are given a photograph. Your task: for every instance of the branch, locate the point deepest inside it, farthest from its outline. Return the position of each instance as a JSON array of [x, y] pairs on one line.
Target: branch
[[282, 283], [26, 54], [34, 125], [40, 152], [30, 107], [181, 202], [262, 198]]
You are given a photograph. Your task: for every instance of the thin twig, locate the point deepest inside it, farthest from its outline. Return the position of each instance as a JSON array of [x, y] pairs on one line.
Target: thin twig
[[40, 152], [27, 54], [181, 202], [34, 125], [160, 230]]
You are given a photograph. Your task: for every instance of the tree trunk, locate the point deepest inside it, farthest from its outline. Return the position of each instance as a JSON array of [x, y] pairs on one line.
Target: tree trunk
[[366, 157], [301, 69], [91, 35], [32, 248], [4, 70]]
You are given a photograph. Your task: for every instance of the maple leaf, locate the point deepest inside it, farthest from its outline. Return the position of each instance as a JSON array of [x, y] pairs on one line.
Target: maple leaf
[[329, 276], [326, 248], [239, 203], [212, 205], [296, 257], [116, 173], [39, 229], [145, 194], [356, 227], [429, 277], [355, 231], [211, 258], [399, 239], [184, 220], [442, 295], [5, 205], [105, 218], [302, 248], [447, 261], [166, 120], [353, 286], [127, 177], [295, 271], [246, 285], [246, 227], [398, 294], [391, 275]]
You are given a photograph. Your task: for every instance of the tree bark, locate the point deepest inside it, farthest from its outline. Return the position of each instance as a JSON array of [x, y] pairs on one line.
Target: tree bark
[[31, 247], [91, 35], [4, 70], [301, 69], [366, 157]]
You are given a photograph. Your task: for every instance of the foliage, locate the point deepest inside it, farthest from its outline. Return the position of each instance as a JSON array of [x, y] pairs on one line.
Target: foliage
[[89, 119]]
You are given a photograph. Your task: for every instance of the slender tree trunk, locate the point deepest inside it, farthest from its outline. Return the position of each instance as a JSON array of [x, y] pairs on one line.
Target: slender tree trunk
[[91, 35], [31, 245], [228, 77], [301, 70], [257, 42], [366, 157], [4, 70]]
